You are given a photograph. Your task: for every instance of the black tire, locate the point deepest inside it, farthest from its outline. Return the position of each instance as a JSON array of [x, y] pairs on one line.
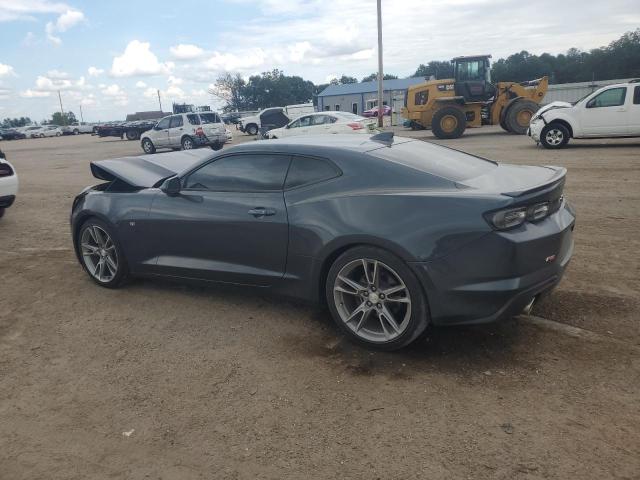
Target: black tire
[[519, 115], [58, 134], [502, 119], [148, 146], [122, 270], [217, 146], [76, 132], [133, 134], [2, 212], [554, 136], [187, 143], [251, 129], [415, 319], [448, 122]]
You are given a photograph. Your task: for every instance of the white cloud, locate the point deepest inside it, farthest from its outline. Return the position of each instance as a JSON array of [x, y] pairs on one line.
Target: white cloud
[[174, 80], [57, 74], [141, 84], [138, 59], [67, 20], [230, 62], [95, 72], [113, 90], [11, 10], [34, 94], [150, 92], [186, 51], [6, 70], [175, 92]]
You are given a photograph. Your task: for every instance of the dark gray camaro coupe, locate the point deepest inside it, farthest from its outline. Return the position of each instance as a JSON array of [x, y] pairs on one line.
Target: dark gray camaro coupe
[[391, 233]]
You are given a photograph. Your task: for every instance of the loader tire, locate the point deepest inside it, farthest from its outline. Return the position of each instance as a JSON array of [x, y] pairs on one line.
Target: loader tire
[[448, 122], [519, 115]]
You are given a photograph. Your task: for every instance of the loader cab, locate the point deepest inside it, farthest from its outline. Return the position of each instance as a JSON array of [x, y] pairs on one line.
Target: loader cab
[[473, 78]]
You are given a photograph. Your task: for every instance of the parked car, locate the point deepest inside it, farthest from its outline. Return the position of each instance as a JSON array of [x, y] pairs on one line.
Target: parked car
[[373, 112], [34, 131], [186, 131], [229, 136], [265, 120], [391, 233], [611, 111], [77, 128], [325, 123], [11, 134], [50, 131], [8, 184]]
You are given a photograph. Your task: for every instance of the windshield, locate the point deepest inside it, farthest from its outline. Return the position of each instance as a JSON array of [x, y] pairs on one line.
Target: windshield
[[581, 98]]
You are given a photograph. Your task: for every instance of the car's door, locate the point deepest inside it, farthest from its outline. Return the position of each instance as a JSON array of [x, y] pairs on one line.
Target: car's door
[[228, 224], [303, 126], [320, 124], [634, 112], [176, 130], [160, 133], [605, 114]]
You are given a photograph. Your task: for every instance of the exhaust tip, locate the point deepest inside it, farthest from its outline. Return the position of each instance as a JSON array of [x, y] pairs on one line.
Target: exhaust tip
[[527, 309]]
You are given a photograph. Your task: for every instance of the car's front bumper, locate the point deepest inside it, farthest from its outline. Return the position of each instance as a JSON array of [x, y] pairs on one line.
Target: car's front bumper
[[498, 275], [535, 129]]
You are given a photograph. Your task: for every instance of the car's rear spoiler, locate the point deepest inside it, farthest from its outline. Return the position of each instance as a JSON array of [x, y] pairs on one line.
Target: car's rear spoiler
[[149, 170], [550, 184]]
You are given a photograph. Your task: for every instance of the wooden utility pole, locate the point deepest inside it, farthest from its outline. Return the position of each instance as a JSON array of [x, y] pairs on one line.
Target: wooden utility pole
[[64, 120], [380, 72], [159, 101], [81, 116]]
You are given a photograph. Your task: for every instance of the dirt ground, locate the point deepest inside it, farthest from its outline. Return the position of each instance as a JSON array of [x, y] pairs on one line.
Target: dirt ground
[[164, 381]]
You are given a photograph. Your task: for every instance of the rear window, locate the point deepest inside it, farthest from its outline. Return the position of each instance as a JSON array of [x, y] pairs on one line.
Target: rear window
[[436, 160], [209, 118]]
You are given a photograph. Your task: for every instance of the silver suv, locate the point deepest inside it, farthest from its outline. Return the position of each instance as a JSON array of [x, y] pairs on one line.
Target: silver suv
[[186, 131]]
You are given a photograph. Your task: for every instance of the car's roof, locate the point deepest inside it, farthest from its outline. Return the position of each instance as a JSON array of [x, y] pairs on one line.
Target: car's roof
[[306, 143]]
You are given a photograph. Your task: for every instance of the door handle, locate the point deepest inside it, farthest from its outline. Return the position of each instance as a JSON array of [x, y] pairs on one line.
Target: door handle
[[262, 212]]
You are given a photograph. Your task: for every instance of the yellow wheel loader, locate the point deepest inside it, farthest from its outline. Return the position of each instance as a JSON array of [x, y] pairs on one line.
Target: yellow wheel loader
[[449, 106]]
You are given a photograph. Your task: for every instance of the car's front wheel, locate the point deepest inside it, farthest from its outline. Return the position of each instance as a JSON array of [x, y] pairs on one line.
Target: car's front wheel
[[1, 212], [217, 146], [147, 146], [102, 257], [554, 135], [252, 129], [376, 299]]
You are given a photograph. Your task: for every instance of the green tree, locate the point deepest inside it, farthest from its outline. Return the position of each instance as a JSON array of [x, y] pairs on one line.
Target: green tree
[[59, 119], [15, 122], [435, 68], [374, 76], [344, 79]]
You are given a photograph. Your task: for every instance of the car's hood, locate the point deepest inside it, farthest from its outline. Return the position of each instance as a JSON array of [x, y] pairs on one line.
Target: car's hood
[[148, 170], [553, 106]]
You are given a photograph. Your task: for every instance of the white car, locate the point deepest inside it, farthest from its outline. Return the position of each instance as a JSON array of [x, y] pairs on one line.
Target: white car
[[612, 111], [229, 136], [322, 123], [186, 131], [33, 131], [8, 184], [78, 128], [51, 131]]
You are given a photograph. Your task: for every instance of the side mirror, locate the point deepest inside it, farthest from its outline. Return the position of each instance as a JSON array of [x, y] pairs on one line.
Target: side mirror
[[591, 103], [172, 186]]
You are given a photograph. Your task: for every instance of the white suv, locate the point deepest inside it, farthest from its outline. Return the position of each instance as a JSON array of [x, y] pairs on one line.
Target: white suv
[[612, 111], [186, 131]]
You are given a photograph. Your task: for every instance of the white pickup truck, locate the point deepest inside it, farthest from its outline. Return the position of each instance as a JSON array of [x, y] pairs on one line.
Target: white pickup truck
[[274, 117], [612, 111], [77, 128]]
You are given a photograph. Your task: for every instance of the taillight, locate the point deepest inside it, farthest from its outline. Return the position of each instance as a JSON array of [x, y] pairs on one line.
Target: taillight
[[5, 170], [355, 126], [199, 132], [514, 217]]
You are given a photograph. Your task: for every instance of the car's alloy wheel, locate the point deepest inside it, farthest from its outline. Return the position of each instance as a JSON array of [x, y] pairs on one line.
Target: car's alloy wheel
[[101, 255], [187, 143], [147, 146], [376, 299], [554, 137]]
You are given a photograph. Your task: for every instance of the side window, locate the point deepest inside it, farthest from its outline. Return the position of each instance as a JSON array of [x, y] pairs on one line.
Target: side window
[[319, 119], [305, 121], [164, 123], [636, 95], [193, 119], [609, 98], [304, 171], [337, 107], [332, 119], [176, 121], [295, 124], [241, 173], [422, 97], [327, 108]]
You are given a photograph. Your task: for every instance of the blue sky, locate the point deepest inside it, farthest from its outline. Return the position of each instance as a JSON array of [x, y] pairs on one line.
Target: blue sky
[[111, 56]]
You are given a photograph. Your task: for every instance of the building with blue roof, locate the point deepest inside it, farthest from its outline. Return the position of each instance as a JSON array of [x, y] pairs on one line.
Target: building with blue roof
[[358, 97]]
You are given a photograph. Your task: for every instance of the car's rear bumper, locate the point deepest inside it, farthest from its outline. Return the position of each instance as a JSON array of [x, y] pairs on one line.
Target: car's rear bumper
[[497, 276], [7, 201]]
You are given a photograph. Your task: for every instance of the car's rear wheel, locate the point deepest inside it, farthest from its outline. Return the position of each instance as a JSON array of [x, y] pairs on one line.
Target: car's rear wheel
[[147, 146], [376, 299], [187, 143], [58, 134], [132, 134], [554, 135], [102, 257], [252, 129], [217, 146], [2, 212], [76, 132]]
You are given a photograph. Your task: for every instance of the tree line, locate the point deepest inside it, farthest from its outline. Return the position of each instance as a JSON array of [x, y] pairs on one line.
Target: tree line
[[57, 118]]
